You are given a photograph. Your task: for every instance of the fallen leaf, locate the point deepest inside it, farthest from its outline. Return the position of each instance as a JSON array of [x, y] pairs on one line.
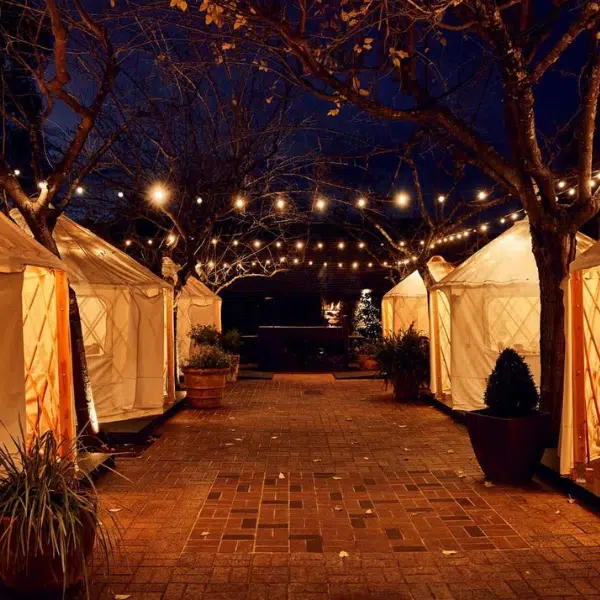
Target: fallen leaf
[[281, 476], [558, 512], [368, 511], [316, 460], [337, 507], [406, 450], [488, 484], [570, 500], [122, 596], [343, 554], [205, 533], [349, 419], [238, 439], [402, 426], [229, 444], [449, 552], [336, 477], [366, 457], [114, 510], [273, 437], [450, 451]]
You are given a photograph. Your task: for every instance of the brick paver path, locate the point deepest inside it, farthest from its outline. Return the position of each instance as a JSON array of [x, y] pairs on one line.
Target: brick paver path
[[257, 500]]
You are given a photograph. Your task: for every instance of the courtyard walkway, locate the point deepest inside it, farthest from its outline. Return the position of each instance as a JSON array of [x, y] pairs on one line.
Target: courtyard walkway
[[305, 487]]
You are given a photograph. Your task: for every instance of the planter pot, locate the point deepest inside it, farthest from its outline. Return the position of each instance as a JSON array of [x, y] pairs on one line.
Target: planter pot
[[508, 449], [406, 387], [234, 369], [43, 574], [204, 386], [366, 362]]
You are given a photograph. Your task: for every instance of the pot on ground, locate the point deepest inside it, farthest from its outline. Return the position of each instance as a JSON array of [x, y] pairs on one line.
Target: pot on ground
[[366, 362], [406, 387], [204, 386], [42, 574], [234, 369], [508, 449]]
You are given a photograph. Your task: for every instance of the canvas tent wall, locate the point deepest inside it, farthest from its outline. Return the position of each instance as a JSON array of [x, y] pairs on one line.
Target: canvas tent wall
[[35, 357], [196, 305], [490, 302], [127, 321], [580, 424], [407, 302]]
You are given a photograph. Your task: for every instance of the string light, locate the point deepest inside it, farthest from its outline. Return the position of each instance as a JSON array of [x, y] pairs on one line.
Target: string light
[[253, 263], [282, 259], [514, 216], [296, 261], [441, 199], [370, 265], [171, 238], [321, 204], [278, 244], [361, 203], [236, 243], [256, 243], [402, 244], [483, 227], [572, 192], [211, 264], [79, 190], [325, 264], [43, 185], [310, 262], [214, 241], [341, 245], [385, 263], [198, 200], [240, 203], [340, 265], [120, 194], [268, 261], [402, 199], [320, 245], [16, 172], [361, 245], [502, 220], [128, 243], [355, 265], [299, 245], [226, 265], [150, 242], [482, 195], [158, 194], [280, 204], [561, 184]]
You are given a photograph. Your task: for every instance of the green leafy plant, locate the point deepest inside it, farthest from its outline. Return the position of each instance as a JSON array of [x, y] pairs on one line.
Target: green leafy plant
[[511, 390], [402, 353], [369, 347], [209, 357], [205, 335], [231, 341], [48, 509]]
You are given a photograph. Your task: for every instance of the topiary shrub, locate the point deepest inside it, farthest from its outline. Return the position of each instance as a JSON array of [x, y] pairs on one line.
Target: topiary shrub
[[209, 357], [511, 391], [231, 341], [205, 335]]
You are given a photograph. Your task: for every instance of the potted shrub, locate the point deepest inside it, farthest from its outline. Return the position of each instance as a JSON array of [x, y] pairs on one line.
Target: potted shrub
[[49, 517], [509, 435], [205, 335], [205, 375], [365, 355], [231, 342], [403, 360]]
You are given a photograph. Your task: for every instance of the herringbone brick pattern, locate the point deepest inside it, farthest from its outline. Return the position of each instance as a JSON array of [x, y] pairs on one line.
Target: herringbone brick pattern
[[257, 500]]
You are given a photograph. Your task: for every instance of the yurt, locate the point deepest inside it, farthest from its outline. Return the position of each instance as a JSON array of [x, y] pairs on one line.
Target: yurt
[[580, 425], [35, 355], [407, 302], [196, 305], [488, 303], [127, 321]]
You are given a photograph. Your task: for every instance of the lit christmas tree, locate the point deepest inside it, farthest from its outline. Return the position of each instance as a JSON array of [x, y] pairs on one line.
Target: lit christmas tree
[[367, 317]]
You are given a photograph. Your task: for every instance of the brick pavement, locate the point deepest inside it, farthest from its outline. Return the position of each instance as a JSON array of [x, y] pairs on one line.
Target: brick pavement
[[256, 500]]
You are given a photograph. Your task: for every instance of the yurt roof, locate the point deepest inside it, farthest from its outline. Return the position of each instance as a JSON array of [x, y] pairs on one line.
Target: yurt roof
[[588, 259], [90, 259], [508, 259], [413, 286], [194, 288], [18, 250]]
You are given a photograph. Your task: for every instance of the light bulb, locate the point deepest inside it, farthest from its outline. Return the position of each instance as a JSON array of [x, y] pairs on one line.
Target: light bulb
[[211, 264], [320, 204], [240, 202], [482, 195], [441, 199], [79, 190], [150, 242], [340, 265], [158, 194], [235, 242], [299, 245], [402, 199], [561, 184], [502, 220], [355, 265], [483, 227], [341, 245], [198, 200], [361, 245], [296, 261], [370, 265], [282, 259], [310, 262], [256, 243], [280, 204], [361, 203], [120, 194], [278, 244], [128, 243], [514, 216], [320, 245], [572, 192], [16, 172], [324, 264], [214, 241], [171, 238]]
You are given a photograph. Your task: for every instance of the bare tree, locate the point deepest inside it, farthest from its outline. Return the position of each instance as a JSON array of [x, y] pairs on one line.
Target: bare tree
[[56, 58], [480, 75]]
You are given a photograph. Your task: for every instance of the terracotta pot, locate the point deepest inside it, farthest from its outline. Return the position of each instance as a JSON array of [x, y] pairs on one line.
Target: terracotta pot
[[234, 369], [204, 386], [406, 387], [508, 450], [366, 362], [43, 571]]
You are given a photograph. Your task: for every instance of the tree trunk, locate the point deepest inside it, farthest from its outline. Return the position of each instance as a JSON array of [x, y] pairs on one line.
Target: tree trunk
[[553, 251]]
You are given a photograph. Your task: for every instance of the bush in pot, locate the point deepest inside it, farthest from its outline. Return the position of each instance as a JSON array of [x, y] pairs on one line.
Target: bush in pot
[[205, 335], [231, 342], [509, 435], [403, 360], [49, 517], [205, 375]]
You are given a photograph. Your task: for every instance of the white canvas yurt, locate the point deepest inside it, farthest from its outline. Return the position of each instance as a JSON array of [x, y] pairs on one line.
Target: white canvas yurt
[[35, 352], [407, 302], [580, 424], [127, 321], [488, 303], [196, 305]]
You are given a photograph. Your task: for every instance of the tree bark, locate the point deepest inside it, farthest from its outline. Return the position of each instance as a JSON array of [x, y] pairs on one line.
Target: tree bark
[[553, 250]]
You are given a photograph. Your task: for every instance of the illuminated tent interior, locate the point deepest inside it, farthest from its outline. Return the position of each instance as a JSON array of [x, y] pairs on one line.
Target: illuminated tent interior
[[127, 321], [407, 302], [580, 425], [488, 303], [35, 356], [196, 305]]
